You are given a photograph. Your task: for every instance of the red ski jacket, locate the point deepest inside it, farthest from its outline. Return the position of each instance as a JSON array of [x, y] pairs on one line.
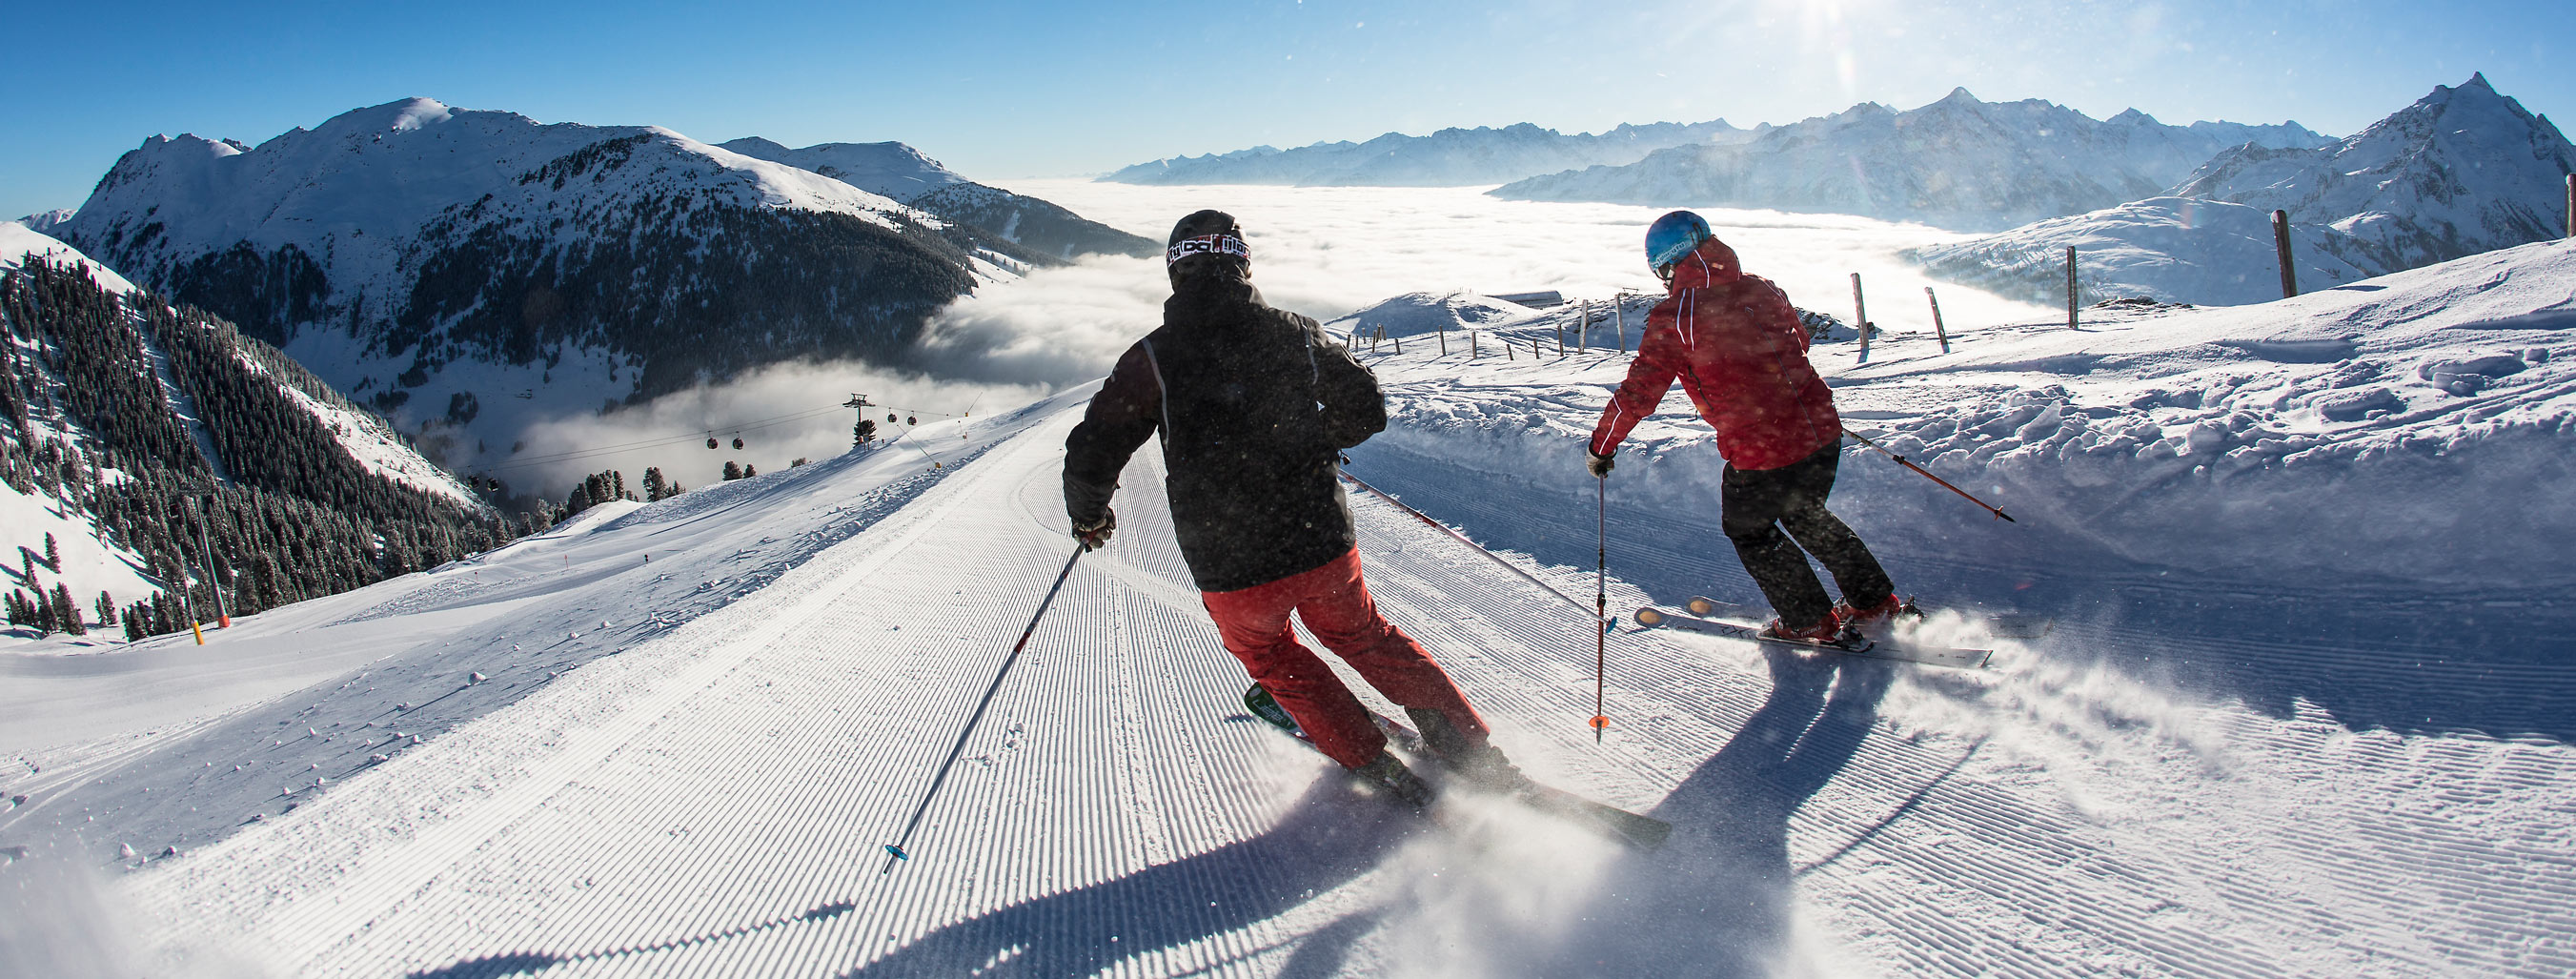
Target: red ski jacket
[[1741, 354]]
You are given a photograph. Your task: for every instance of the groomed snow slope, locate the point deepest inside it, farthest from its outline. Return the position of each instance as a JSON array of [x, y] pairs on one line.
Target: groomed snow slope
[[698, 786]]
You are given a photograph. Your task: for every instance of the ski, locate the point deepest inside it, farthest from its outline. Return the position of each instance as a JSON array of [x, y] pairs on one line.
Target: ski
[[1967, 659], [1998, 625], [1641, 832]]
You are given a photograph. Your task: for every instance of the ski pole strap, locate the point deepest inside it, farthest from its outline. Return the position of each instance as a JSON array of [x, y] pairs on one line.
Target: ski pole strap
[[1927, 474], [895, 850], [1461, 538]]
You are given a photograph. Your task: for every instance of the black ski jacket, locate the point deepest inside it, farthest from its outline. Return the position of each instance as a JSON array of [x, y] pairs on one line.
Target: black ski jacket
[[1254, 405]]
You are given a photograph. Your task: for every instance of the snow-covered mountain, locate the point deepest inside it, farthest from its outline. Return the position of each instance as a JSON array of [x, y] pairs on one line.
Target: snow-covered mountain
[[905, 174], [45, 223], [123, 413], [430, 259], [1958, 162], [2463, 170], [889, 169], [1447, 158]]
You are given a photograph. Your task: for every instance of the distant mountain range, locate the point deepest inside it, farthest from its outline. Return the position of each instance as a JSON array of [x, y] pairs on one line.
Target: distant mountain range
[[1958, 162], [470, 272], [2463, 170], [1447, 158]]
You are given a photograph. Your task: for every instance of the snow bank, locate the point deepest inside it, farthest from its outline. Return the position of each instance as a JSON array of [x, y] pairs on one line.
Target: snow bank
[[2175, 249]]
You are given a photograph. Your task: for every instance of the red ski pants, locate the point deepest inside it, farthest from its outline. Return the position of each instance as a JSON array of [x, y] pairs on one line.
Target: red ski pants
[[1335, 605]]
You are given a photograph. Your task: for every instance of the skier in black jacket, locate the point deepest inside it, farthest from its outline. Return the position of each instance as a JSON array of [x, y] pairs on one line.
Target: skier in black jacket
[[1254, 405]]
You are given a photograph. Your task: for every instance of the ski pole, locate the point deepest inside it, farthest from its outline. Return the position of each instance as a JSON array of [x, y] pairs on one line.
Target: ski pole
[[1461, 538], [1600, 599], [1927, 474], [894, 850]]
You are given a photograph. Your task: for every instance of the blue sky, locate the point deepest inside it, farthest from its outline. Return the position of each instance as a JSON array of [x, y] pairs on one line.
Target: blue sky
[[1008, 89]]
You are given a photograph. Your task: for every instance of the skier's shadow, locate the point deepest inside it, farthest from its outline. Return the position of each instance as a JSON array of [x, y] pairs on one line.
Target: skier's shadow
[[1329, 837], [1717, 899], [1714, 901]]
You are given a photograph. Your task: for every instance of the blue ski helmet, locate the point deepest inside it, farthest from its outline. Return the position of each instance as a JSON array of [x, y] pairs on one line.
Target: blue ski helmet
[[1672, 237]]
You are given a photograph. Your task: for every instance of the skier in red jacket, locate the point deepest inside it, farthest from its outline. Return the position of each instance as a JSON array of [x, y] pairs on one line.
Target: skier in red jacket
[[1741, 355]]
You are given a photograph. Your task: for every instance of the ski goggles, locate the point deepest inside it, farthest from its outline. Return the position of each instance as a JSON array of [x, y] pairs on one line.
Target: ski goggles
[[1216, 244]]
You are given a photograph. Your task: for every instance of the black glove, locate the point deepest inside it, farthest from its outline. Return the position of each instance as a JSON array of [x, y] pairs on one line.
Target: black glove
[[1599, 464], [1094, 534]]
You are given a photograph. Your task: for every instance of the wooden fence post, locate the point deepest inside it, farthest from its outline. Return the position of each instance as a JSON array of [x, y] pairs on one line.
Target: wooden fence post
[[1860, 317], [2281, 239], [1937, 331], [2571, 205], [1444, 339], [1583, 331], [2070, 288]]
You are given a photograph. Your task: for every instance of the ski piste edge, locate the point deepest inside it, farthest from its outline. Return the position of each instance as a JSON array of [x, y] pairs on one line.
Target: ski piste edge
[[1650, 617], [1641, 832], [1997, 625]]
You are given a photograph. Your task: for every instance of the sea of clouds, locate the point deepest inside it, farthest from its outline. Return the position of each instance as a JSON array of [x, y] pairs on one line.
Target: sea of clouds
[[1321, 251]]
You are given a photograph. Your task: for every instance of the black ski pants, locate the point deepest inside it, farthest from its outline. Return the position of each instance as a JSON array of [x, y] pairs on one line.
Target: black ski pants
[[1758, 503]]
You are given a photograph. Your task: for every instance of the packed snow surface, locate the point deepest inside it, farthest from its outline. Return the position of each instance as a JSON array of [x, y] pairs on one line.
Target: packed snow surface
[[670, 739]]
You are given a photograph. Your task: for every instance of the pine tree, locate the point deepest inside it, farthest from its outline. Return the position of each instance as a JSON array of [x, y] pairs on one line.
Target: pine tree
[[53, 554], [749, 470], [652, 484], [732, 471], [67, 611], [106, 608]]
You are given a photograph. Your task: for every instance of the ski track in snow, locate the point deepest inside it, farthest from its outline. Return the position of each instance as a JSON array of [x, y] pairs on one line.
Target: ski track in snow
[[702, 788]]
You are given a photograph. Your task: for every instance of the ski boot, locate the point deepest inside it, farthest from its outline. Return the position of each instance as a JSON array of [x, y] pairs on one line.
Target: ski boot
[[1389, 775], [1829, 632], [1468, 756], [1877, 619]]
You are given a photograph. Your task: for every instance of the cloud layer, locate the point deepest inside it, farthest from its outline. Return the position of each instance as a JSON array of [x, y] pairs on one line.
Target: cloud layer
[[1319, 251]]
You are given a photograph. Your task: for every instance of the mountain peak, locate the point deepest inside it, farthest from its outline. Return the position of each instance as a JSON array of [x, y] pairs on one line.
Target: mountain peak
[[399, 115], [1958, 96]]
